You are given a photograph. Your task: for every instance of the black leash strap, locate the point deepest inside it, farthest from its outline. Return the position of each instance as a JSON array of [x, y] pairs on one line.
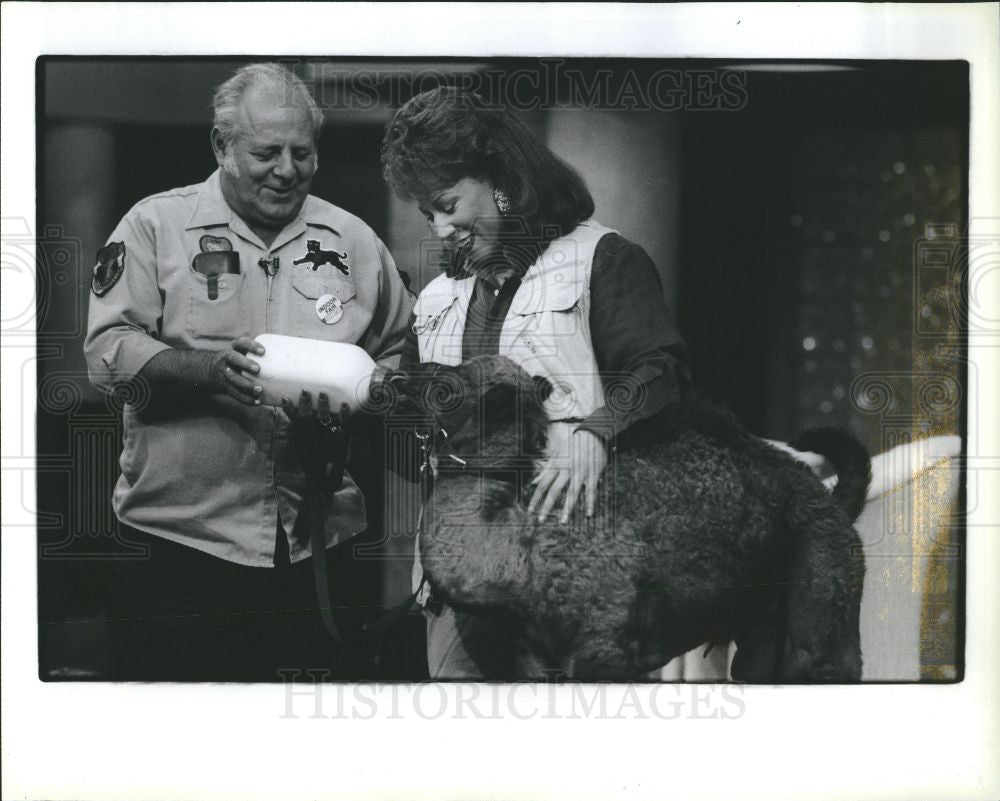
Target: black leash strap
[[317, 510], [317, 537]]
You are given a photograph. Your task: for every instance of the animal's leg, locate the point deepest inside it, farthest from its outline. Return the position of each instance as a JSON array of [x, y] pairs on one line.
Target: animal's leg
[[825, 577], [535, 662], [532, 665], [757, 653], [463, 645]]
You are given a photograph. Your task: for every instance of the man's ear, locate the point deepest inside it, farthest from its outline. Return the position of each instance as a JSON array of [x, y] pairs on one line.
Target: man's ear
[[218, 145], [543, 387]]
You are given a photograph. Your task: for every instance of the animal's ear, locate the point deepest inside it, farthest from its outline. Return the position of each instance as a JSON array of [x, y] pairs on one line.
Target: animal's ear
[[397, 390], [397, 381], [536, 432], [543, 387], [386, 391], [413, 377]]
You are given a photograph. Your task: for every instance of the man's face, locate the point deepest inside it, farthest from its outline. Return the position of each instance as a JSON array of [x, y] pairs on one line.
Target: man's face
[[268, 169]]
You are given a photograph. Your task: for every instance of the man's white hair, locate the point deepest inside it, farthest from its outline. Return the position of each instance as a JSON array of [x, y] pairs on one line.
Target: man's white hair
[[229, 95]]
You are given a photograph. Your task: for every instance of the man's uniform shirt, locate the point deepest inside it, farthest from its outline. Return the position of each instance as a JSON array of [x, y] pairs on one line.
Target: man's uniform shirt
[[212, 473]]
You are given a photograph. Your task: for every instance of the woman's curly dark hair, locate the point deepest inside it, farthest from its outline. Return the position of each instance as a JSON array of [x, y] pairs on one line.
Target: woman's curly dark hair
[[446, 134]]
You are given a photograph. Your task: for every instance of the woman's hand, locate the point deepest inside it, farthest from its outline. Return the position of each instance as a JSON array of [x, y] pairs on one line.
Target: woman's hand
[[307, 416], [313, 431], [576, 462]]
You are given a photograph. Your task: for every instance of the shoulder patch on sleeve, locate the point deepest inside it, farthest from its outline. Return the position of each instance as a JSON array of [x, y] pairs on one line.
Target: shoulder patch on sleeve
[[109, 268]]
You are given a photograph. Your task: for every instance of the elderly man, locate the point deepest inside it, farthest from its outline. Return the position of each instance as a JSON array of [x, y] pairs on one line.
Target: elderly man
[[211, 479]]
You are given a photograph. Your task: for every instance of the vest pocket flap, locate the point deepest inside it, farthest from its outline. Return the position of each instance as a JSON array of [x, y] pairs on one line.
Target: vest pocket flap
[[427, 314], [431, 305], [432, 301], [538, 296]]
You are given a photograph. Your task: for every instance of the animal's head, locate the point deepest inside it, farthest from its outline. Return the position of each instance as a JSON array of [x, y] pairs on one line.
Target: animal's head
[[487, 406], [312, 246]]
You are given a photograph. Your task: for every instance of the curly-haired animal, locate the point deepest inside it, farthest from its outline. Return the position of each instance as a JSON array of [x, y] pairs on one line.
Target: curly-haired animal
[[706, 534]]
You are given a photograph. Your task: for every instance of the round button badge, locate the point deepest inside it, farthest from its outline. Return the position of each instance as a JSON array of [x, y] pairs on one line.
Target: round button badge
[[329, 309]]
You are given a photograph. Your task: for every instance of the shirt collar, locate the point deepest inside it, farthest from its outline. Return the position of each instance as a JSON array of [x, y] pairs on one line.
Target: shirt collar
[[518, 259], [212, 209]]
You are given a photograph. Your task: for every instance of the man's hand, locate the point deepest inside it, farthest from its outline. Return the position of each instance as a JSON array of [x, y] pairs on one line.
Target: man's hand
[[576, 462], [227, 368], [178, 376]]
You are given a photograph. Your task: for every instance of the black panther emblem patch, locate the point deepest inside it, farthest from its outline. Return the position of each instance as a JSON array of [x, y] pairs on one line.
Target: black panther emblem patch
[[317, 257]]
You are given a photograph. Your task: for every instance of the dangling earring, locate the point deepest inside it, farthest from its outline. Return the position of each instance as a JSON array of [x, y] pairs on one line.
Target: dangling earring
[[502, 201]]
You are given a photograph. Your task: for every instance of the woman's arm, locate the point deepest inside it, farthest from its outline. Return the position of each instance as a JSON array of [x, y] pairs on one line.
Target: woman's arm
[[403, 457], [411, 353], [643, 365], [640, 353]]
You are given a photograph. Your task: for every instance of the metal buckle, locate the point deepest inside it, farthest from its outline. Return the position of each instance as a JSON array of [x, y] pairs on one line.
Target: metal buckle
[[447, 451], [425, 450]]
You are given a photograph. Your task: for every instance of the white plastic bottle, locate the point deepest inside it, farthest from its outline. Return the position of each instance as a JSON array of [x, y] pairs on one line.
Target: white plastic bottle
[[292, 364]]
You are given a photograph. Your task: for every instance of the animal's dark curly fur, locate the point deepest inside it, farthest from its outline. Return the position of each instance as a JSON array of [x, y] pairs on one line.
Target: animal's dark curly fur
[[706, 534]]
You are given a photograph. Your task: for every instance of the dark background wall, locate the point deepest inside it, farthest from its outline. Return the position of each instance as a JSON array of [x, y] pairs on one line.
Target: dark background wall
[[787, 227]]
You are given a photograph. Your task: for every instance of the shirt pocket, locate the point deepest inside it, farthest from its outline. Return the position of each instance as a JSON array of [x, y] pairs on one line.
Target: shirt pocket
[[303, 319], [312, 287], [222, 317]]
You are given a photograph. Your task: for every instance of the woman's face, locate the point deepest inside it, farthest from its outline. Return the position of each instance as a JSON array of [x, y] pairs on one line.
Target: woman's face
[[465, 217]]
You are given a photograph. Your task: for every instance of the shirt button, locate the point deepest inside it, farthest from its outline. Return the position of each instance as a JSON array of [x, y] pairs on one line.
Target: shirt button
[[496, 292]]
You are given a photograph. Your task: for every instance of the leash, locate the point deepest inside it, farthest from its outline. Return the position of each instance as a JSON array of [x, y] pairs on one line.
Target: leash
[[425, 478], [317, 506], [317, 535]]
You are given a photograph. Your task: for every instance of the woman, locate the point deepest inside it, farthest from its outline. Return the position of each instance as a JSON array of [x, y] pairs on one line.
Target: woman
[[529, 274]]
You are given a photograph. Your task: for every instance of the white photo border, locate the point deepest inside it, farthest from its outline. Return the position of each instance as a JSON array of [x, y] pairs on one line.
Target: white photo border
[[109, 741]]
